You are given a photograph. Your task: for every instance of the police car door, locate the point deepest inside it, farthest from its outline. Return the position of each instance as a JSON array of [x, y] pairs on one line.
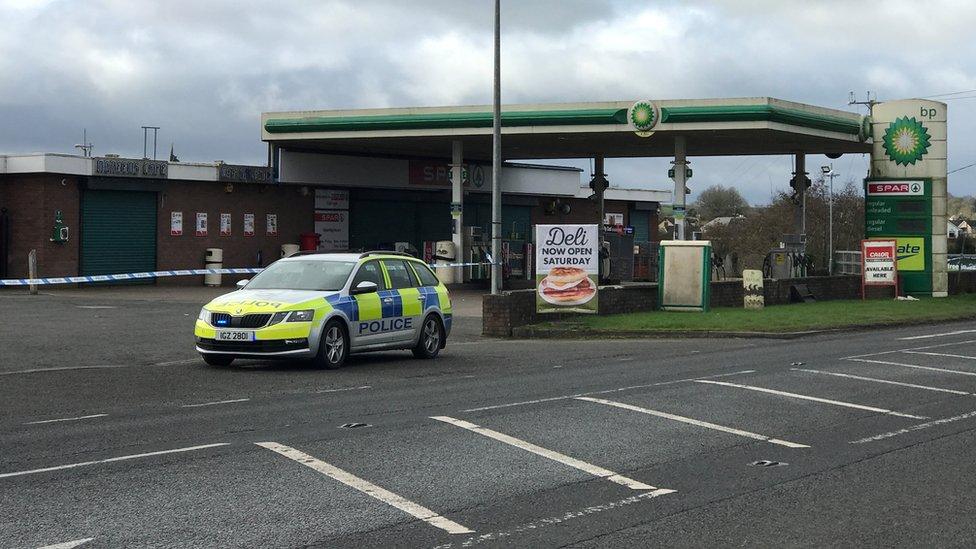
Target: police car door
[[366, 328], [403, 300]]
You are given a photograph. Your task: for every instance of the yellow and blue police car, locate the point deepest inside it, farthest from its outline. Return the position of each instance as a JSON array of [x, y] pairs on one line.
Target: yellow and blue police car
[[324, 306]]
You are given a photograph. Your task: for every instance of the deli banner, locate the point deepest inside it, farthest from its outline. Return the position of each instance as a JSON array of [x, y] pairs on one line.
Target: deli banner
[[566, 268]]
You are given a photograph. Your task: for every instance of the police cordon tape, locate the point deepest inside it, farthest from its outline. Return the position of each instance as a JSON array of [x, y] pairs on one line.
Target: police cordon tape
[[155, 274]]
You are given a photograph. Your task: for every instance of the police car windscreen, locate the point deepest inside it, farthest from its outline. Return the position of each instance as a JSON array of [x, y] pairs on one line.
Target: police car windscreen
[[303, 275]]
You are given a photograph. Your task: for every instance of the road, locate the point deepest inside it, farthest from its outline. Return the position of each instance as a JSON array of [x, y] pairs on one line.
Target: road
[[113, 434]]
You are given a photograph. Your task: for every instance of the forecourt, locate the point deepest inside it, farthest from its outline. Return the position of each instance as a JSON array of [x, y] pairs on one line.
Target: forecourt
[[840, 439]]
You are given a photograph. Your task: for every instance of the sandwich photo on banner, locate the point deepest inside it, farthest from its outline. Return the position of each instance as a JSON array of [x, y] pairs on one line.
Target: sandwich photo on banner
[[567, 268]]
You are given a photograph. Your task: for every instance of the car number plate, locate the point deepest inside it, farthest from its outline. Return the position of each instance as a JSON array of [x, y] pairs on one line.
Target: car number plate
[[235, 335]]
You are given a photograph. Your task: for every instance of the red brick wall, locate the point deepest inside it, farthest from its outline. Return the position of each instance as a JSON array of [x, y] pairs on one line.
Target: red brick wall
[[31, 202], [187, 251]]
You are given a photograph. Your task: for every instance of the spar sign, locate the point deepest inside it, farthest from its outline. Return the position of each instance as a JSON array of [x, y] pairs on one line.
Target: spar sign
[[566, 268], [896, 188], [879, 264]]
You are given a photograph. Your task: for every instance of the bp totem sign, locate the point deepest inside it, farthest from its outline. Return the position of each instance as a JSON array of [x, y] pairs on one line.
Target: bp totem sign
[[905, 196]]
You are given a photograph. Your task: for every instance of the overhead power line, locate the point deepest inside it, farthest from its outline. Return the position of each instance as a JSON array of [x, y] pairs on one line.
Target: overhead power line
[[948, 94], [962, 168]]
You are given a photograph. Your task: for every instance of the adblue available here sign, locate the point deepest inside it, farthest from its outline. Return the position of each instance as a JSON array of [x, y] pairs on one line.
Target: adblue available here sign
[[879, 262]]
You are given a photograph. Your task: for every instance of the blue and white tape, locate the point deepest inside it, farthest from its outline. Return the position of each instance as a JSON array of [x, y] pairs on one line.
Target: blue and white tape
[[151, 274]]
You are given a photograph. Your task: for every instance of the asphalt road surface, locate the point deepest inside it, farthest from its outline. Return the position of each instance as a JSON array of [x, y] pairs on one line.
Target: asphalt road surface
[[113, 434]]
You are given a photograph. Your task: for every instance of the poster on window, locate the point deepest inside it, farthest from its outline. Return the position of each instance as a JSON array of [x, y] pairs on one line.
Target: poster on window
[[201, 229], [225, 224], [567, 268], [248, 224], [333, 229], [331, 199], [272, 224], [176, 223]]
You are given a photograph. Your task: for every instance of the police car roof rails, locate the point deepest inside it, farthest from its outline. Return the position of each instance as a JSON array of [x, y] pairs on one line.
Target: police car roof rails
[[384, 252]]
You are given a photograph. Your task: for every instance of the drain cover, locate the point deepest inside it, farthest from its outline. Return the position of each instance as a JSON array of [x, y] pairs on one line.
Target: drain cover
[[354, 425], [767, 463]]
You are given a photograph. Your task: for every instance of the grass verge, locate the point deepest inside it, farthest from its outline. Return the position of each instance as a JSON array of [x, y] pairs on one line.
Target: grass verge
[[797, 317]]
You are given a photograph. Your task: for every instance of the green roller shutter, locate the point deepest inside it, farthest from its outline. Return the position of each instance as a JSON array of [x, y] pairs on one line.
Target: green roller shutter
[[118, 232], [640, 221], [376, 222]]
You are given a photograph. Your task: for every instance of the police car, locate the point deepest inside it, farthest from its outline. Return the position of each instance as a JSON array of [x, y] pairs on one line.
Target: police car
[[324, 306]]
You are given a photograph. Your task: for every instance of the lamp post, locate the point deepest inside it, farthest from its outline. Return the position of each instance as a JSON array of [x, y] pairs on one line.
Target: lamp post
[[828, 174], [496, 162]]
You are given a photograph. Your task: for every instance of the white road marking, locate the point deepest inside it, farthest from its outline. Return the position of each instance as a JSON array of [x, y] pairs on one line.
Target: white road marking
[[918, 427], [957, 332], [368, 488], [916, 366], [553, 521], [550, 454], [63, 368], [910, 349], [215, 403], [887, 381], [813, 399], [697, 422], [112, 460], [617, 390], [67, 544], [175, 362], [939, 354], [64, 419], [96, 306], [344, 389]]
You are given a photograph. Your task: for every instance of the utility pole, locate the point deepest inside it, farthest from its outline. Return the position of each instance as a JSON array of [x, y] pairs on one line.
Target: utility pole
[[496, 161], [145, 135], [85, 146]]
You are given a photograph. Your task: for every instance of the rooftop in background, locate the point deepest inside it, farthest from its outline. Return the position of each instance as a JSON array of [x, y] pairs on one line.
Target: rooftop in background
[[69, 164], [712, 127]]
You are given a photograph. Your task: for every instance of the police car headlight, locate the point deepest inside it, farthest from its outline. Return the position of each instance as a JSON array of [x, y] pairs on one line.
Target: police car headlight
[[204, 314], [278, 317], [301, 316]]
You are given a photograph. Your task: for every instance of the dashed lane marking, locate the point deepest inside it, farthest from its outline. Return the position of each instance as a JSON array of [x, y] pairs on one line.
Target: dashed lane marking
[[813, 399], [79, 418], [594, 470], [67, 544], [111, 460], [342, 389], [916, 366], [946, 334], [368, 488], [696, 422], [914, 428], [617, 390], [886, 381], [215, 403]]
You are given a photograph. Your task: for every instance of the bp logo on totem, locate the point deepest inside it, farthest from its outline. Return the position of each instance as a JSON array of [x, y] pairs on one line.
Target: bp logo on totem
[[906, 141]]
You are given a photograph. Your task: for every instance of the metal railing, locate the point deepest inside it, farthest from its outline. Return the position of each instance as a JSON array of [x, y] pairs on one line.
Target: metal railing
[[847, 262]]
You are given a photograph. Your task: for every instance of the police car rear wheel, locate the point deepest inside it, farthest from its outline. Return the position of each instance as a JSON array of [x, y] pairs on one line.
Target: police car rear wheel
[[218, 360], [334, 346], [431, 334]]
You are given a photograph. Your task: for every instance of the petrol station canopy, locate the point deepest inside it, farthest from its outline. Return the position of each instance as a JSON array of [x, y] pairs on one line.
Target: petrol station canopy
[[711, 127]]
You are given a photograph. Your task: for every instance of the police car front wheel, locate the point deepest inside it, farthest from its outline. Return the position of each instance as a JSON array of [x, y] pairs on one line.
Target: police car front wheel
[[334, 346], [431, 338]]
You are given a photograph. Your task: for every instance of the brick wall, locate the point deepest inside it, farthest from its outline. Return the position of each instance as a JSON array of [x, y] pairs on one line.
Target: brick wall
[[517, 308], [187, 252], [31, 202]]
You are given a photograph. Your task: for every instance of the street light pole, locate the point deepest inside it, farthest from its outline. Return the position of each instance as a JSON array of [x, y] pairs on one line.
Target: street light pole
[[828, 173], [496, 162]]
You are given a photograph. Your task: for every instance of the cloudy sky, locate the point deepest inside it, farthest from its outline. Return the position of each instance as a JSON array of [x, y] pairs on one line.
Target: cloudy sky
[[205, 70]]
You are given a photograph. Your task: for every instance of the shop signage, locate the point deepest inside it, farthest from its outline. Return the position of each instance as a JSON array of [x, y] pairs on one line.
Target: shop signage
[[234, 173], [567, 268], [126, 167], [426, 173], [176, 223], [248, 224], [879, 263], [271, 224], [201, 226], [225, 224], [331, 199], [333, 228], [896, 188]]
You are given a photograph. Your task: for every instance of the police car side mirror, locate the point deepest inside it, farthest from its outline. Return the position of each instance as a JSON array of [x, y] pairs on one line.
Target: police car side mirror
[[242, 283], [364, 287]]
